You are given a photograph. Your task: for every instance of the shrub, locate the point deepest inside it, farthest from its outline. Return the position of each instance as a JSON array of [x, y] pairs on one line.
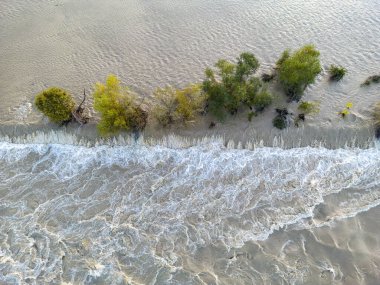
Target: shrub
[[280, 122], [308, 107], [117, 107], [56, 104], [337, 72], [178, 105], [370, 80], [296, 71], [262, 100]]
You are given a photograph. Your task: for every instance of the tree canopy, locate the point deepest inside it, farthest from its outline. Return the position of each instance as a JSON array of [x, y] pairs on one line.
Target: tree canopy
[[117, 107], [296, 71], [178, 105], [55, 103], [230, 85]]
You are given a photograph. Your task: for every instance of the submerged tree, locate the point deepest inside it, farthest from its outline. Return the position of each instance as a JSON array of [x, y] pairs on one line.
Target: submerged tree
[[55, 103], [296, 71], [178, 105], [230, 85], [118, 108], [370, 80]]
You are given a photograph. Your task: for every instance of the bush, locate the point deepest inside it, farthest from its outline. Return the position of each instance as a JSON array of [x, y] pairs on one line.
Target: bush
[[337, 72], [56, 104], [296, 71], [262, 100], [308, 107], [371, 79], [117, 107], [178, 105], [280, 122]]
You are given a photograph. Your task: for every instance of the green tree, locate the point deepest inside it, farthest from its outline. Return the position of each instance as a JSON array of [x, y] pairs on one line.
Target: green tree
[[262, 100], [296, 71], [247, 64], [229, 85], [117, 107], [191, 101], [56, 104]]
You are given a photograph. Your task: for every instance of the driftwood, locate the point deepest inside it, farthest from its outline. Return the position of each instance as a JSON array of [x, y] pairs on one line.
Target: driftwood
[[78, 115]]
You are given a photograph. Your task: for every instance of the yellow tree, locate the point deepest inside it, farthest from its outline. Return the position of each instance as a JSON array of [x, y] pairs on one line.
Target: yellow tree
[[117, 107]]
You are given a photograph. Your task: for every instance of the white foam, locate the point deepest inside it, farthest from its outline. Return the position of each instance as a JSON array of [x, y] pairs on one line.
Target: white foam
[[168, 201]]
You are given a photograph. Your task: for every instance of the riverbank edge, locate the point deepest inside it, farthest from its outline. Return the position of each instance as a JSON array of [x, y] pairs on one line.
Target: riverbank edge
[[226, 134]]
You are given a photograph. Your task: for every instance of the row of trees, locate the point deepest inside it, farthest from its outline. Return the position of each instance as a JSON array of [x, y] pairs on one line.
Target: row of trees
[[227, 88]]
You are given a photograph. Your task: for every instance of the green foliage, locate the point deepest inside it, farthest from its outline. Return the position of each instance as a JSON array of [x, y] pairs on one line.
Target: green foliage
[[117, 107], [191, 101], [56, 104], [262, 100], [337, 72], [178, 105], [308, 107], [284, 56], [370, 80], [247, 65], [280, 122], [296, 71], [231, 85]]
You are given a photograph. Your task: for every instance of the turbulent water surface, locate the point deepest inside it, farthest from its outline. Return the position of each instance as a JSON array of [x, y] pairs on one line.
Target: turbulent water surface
[[205, 214]]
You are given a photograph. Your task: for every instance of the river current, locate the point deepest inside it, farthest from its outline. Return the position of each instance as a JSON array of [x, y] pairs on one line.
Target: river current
[[204, 214]]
